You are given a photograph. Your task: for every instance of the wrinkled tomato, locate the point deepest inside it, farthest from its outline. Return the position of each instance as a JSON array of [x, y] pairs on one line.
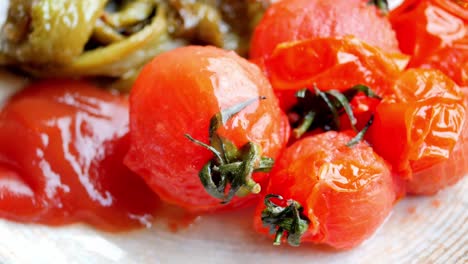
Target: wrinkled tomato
[[178, 94], [61, 159], [342, 194], [419, 125], [425, 27], [292, 20], [332, 63], [446, 173], [452, 60]]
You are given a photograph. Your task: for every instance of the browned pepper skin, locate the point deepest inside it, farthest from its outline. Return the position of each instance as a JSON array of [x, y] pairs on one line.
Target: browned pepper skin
[[50, 31], [71, 38]]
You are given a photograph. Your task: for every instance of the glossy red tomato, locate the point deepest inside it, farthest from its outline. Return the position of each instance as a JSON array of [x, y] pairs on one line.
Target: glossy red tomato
[[178, 93], [61, 159], [332, 63], [345, 193], [446, 173], [329, 64], [419, 125], [424, 27], [291, 20], [451, 60]]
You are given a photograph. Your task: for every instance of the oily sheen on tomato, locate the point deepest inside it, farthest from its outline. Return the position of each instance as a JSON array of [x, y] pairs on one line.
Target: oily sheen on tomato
[[451, 60], [287, 21], [419, 125], [61, 159], [332, 63], [345, 192], [426, 27], [176, 96], [445, 173]]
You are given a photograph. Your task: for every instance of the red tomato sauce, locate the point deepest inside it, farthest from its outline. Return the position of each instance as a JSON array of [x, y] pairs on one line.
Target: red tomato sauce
[[61, 149]]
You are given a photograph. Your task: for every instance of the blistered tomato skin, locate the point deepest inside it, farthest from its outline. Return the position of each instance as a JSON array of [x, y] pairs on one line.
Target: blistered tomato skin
[[452, 61], [332, 63], [346, 192], [61, 159], [425, 27], [287, 21], [177, 94], [431, 180], [421, 123]]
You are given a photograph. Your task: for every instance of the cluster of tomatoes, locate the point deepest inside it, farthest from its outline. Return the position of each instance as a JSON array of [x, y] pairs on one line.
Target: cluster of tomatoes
[[326, 126]]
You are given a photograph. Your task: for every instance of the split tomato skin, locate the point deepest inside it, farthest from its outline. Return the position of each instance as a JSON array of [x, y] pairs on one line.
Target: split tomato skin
[[419, 125], [425, 27], [292, 20], [434, 32], [346, 193], [452, 61], [332, 63], [177, 94], [61, 159]]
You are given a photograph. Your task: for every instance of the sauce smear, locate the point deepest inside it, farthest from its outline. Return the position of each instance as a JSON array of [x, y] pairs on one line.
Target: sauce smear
[[62, 146]]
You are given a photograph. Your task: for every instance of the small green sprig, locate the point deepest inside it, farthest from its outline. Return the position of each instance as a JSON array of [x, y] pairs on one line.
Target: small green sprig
[[288, 220], [230, 171], [322, 109]]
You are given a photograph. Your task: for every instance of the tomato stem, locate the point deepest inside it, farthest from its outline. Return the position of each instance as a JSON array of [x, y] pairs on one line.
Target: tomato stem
[[286, 220], [278, 236], [230, 171]]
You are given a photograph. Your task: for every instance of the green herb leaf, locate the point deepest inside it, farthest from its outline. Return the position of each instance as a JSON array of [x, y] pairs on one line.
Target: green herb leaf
[[360, 136], [353, 91], [288, 220], [331, 106], [305, 124], [345, 104], [322, 109]]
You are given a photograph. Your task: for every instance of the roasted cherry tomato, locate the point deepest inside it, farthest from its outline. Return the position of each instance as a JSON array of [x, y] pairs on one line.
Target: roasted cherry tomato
[[451, 60], [424, 27], [419, 125], [61, 159], [287, 21], [323, 191], [333, 66], [332, 63], [446, 173], [202, 120]]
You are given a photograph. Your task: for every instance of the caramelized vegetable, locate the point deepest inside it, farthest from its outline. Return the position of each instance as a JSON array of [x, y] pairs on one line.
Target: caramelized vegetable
[[116, 38], [57, 30]]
